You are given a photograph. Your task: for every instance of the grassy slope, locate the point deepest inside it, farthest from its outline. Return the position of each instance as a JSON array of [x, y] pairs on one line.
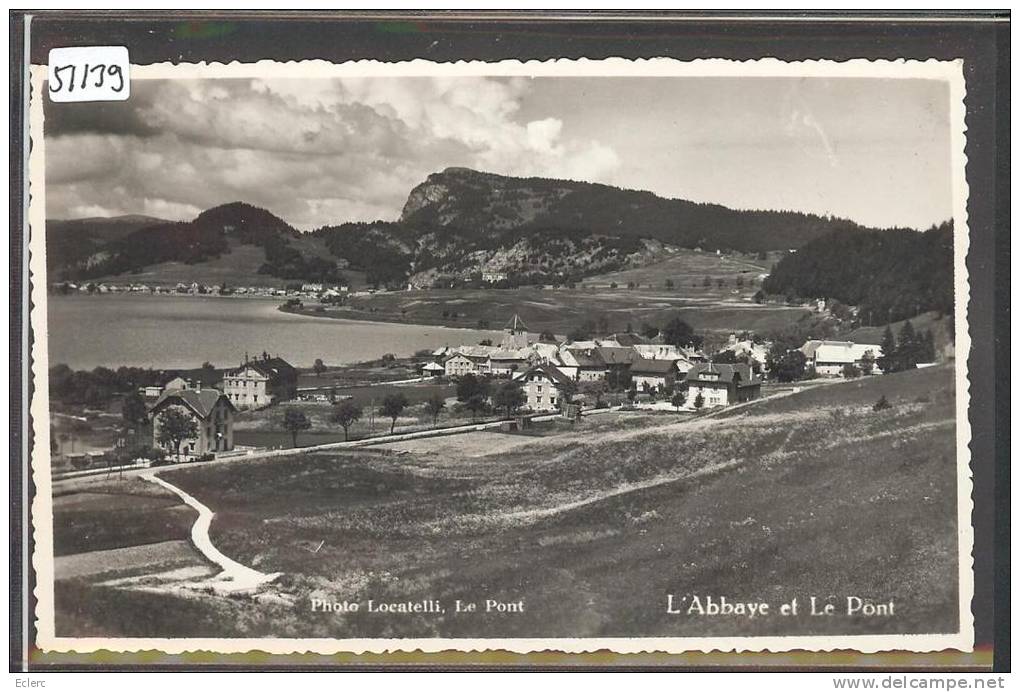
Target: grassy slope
[[117, 513], [685, 268], [824, 503], [939, 327]]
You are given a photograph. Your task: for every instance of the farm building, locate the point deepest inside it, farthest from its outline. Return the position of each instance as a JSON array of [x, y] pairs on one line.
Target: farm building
[[433, 369], [828, 358], [504, 363], [460, 364], [581, 364]]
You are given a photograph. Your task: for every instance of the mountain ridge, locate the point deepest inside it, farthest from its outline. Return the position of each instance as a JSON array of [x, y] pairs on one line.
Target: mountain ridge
[[466, 198], [210, 235], [455, 225]]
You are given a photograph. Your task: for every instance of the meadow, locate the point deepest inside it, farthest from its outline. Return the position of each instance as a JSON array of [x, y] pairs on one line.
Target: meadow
[[790, 498], [264, 428], [622, 299], [687, 269], [100, 513]]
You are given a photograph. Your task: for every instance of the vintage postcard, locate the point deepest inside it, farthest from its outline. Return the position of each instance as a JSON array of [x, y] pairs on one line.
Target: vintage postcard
[[625, 355]]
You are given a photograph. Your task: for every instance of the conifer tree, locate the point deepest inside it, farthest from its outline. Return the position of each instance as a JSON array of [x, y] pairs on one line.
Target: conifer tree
[[888, 360], [908, 351]]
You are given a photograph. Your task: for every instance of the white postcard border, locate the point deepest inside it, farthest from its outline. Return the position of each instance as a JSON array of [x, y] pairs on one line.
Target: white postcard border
[[42, 518]]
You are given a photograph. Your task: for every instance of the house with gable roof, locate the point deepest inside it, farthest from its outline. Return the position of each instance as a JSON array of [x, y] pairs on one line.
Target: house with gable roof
[[466, 362], [212, 412], [652, 373], [682, 361], [545, 387], [721, 384], [581, 364], [505, 362]]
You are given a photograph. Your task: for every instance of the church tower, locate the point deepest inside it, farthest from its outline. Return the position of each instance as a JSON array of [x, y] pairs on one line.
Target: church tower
[[515, 334]]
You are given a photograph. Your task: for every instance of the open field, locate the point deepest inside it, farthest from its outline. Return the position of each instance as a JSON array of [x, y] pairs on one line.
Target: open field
[[264, 428], [561, 310], [360, 373], [715, 307], [687, 269], [811, 494], [100, 513]]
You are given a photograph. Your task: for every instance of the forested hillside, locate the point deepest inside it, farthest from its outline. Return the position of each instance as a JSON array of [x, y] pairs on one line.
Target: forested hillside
[[211, 234], [484, 202], [890, 275], [71, 242]]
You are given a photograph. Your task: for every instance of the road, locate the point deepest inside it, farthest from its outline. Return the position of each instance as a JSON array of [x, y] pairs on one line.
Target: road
[[399, 437], [233, 576]]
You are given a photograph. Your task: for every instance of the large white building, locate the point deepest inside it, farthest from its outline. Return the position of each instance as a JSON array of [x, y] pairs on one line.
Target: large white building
[[828, 358], [460, 364], [260, 382]]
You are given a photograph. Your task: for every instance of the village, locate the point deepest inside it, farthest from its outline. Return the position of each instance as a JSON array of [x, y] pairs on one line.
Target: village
[[265, 401], [325, 292]]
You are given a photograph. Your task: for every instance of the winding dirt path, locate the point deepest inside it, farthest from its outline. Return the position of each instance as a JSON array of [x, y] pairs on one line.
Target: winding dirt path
[[233, 576]]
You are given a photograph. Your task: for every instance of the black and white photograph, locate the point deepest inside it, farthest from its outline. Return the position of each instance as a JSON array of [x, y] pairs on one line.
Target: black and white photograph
[[574, 355]]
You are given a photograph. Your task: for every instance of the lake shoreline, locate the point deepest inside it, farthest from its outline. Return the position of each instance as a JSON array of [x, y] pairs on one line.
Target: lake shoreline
[[160, 332], [376, 318]]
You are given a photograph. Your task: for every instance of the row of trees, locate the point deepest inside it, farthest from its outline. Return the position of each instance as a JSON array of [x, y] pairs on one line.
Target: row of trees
[[99, 386], [480, 395], [707, 282], [476, 395], [676, 331]]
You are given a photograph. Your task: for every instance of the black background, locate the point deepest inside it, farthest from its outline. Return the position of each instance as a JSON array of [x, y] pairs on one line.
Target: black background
[[982, 43]]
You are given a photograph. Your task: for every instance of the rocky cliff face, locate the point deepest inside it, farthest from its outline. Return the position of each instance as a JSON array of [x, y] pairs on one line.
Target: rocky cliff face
[[477, 202], [429, 194]]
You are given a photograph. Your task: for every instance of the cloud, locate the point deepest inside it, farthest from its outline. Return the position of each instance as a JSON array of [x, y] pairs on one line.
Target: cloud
[[117, 118], [542, 134], [314, 152]]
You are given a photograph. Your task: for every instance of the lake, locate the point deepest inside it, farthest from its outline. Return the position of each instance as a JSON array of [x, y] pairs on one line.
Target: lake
[[183, 332]]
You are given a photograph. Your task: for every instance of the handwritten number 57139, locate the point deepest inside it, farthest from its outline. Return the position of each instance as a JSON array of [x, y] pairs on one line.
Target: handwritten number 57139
[[68, 76]]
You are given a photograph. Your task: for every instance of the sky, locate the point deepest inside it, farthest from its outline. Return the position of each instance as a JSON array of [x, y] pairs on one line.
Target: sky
[[317, 152]]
